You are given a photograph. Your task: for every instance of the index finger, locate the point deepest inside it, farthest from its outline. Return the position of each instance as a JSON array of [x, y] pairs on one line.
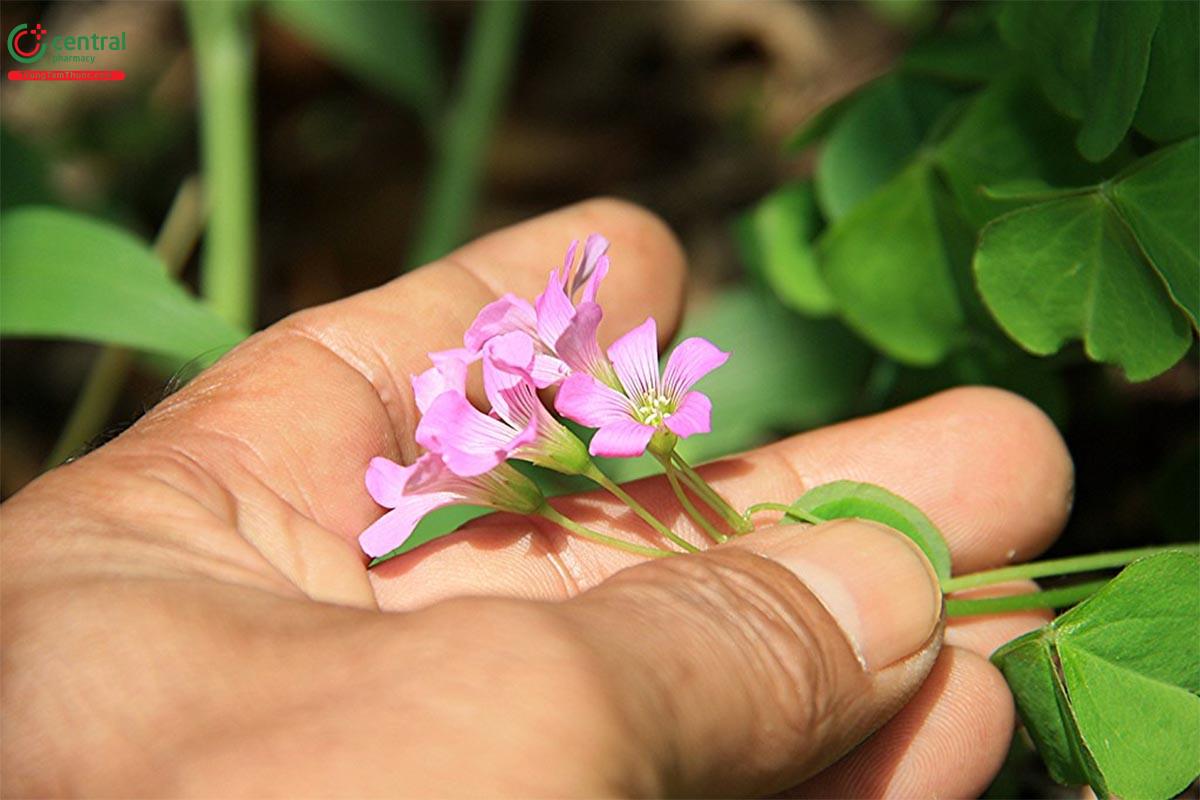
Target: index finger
[[300, 408]]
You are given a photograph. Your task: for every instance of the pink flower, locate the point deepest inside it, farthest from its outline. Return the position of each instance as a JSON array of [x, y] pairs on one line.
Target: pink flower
[[470, 442], [548, 318], [646, 403], [412, 492]]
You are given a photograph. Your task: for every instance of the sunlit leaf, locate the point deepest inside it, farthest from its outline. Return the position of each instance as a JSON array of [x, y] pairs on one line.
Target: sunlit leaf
[[1108, 691], [850, 499], [67, 276], [896, 265], [776, 238]]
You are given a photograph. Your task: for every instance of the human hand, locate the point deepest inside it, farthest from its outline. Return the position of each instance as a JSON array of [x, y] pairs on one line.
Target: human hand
[[185, 609]]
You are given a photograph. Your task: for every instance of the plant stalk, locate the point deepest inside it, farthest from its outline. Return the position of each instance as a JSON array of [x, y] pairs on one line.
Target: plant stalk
[[712, 497], [688, 506], [615, 489], [1049, 598], [224, 53], [1057, 566], [786, 510], [547, 511], [461, 141]]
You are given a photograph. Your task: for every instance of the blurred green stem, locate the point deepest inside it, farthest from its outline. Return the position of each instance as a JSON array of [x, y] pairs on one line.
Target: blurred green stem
[[93, 407], [461, 141], [224, 53]]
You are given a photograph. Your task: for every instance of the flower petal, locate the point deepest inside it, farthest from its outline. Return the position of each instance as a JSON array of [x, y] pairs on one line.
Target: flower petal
[[592, 285], [692, 416], [690, 361], [554, 310], [592, 268], [449, 374], [589, 402], [509, 313], [469, 441], [625, 438], [393, 528], [578, 346], [635, 358], [548, 370], [385, 481]]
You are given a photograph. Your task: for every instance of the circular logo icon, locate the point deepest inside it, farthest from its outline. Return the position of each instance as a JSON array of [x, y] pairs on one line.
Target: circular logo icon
[[25, 43]]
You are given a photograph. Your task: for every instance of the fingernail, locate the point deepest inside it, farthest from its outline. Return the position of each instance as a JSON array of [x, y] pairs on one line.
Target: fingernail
[[874, 581]]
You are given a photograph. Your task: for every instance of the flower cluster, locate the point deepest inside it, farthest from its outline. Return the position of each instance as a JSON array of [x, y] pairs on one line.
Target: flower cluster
[[522, 348]]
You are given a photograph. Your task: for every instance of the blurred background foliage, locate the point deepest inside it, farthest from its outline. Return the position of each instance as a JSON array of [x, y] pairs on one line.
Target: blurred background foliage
[[879, 200]]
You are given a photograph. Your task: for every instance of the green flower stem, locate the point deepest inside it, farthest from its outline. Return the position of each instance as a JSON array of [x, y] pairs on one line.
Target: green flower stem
[[175, 241], [1050, 598], [612, 487], [1057, 566], [685, 501], [462, 138], [786, 510], [547, 511], [712, 497], [223, 46]]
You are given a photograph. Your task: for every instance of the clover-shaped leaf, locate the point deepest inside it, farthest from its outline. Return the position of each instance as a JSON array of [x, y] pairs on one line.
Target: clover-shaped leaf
[[1115, 266], [1108, 691]]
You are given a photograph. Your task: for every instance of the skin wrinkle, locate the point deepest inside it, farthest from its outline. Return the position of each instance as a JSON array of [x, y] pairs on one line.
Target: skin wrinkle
[[398, 406], [235, 518]]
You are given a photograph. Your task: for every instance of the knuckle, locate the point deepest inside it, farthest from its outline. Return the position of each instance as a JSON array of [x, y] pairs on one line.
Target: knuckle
[[747, 612]]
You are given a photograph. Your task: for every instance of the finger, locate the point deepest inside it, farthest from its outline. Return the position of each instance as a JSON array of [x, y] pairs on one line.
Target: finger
[[988, 467], [737, 674], [961, 717], [299, 409]]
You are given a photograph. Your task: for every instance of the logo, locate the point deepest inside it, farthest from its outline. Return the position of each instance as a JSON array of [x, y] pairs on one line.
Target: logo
[[25, 43]]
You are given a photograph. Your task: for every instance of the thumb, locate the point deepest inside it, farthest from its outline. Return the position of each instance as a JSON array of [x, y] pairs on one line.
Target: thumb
[[750, 667]]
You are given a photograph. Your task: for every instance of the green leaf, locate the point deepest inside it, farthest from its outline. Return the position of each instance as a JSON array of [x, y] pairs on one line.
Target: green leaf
[[776, 239], [388, 45], [895, 264], [850, 499], [67, 276], [1120, 57], [971, 57], [1054, 40], [1009, 133], [874, 137], [817, 126], [1108, 690], [1159, 198], [434, 525], [1031, 191], [1070, 268], [1170, 104]]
